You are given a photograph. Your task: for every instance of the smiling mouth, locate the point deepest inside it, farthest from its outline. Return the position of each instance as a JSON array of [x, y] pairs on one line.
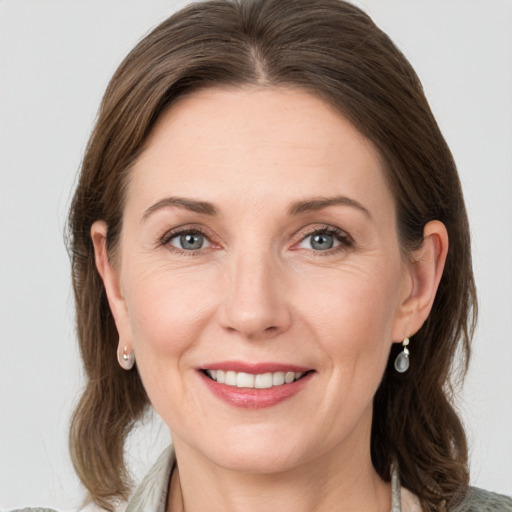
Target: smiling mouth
[[254, 381]]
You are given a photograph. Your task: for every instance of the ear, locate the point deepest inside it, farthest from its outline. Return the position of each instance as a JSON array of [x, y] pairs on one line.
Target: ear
[[424, 273], [110, 275]]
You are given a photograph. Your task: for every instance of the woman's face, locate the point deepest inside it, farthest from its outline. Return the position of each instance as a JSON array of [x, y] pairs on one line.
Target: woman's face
[[259, 245]]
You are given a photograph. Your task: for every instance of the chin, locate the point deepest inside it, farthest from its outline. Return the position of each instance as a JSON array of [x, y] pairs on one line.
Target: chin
[[257, 460], [264, 453]]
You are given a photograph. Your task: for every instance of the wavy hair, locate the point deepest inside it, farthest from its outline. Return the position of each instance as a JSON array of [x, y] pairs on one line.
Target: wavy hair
[[334, 51]]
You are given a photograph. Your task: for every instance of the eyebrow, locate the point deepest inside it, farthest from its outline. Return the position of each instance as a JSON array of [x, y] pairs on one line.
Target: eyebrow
[[181, 202], [296, 208], [319, 203]]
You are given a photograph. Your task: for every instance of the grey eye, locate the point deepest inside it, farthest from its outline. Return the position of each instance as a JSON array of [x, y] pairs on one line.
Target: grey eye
[[322, 241], [189, 241]]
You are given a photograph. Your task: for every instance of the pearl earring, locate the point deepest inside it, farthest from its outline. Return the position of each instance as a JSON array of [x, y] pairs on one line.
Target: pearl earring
[[126, 358], [402, 359]]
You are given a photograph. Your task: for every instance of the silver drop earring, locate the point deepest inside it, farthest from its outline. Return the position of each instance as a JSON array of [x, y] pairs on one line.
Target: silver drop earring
[[126, 358], [402, 359]]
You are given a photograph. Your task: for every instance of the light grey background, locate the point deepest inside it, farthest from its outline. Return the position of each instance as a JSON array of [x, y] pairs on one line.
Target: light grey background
[[56, 57]]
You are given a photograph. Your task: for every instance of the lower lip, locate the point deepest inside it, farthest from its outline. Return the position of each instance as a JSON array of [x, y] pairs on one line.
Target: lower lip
[[252, 398]]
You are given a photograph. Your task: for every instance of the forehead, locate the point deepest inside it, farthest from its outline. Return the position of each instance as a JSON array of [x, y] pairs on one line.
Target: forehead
[[283, 142]]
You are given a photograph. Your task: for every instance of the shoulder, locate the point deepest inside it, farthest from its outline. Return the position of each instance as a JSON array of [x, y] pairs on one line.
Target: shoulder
[[478, 500], [88, 508], [33, 509], [150, 495]]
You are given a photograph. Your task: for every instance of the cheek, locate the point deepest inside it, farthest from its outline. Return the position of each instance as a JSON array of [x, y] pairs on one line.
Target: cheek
[[167, 315], [166, 311], [352, 312]]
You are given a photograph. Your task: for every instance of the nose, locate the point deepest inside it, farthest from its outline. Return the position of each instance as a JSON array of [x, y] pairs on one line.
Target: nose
[[255, 303]]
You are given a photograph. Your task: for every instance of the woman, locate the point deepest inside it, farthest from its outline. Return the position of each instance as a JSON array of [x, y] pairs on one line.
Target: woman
[[270, 247]]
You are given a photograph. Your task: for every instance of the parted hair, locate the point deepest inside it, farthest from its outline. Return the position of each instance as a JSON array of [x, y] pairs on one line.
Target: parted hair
[[333, 50]]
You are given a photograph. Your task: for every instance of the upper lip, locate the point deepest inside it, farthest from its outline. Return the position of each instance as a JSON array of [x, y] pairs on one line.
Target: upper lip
[[255, 368]]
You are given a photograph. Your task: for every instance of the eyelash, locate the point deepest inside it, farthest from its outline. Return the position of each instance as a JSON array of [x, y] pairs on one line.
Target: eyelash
[[342, 237], [166, 239]]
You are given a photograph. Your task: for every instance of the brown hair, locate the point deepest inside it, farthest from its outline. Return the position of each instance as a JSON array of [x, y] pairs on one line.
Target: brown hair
[[333, 50]]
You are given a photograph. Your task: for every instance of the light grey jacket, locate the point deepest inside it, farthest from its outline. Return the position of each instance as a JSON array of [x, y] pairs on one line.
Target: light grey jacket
[[151, 494]]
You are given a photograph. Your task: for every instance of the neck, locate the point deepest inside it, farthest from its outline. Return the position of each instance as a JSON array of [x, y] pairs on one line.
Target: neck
[[325, 484]]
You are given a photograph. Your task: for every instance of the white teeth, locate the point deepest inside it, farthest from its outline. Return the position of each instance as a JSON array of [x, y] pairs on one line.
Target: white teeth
[[258, 381], [263, 381], [244, 380], [278, 378], [230, 378]]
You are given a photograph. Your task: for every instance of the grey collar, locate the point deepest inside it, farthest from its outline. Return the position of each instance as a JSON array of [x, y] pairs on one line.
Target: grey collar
[[151, 494]]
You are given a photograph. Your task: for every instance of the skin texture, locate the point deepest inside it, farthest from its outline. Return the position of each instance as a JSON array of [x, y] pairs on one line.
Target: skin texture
[[258, 291]]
